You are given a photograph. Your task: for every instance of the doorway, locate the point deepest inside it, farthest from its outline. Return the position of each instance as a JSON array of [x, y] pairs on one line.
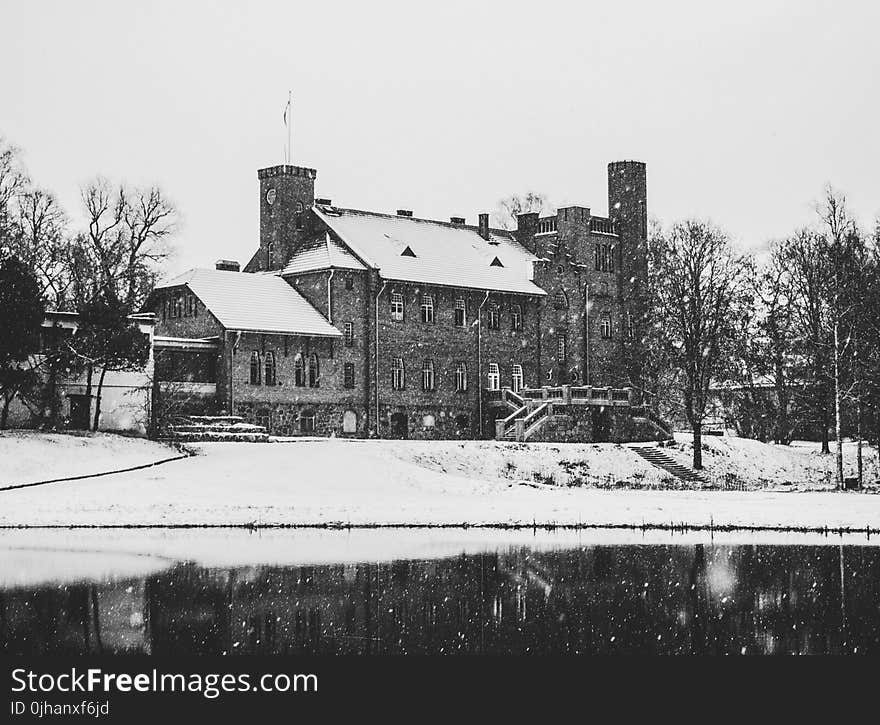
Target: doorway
[[80, 406]]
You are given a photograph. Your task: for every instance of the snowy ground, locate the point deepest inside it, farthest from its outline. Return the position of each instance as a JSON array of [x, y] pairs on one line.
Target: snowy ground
[[800, 465], [409, 483], [27, 456]]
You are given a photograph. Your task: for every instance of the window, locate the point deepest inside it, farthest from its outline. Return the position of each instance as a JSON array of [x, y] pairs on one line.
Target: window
[[428, 375], [460, 312], [493, 379], [299, 371], [516, 317], [270, 253], [307, 421], [349, 422], [561, 347], [298, 217], [516, 378], [397, 306], [494, 317], [605, 327], [263, 418], [348, 375], [398, 374], [462, 422], [428, 422], [461, 377], [630, 326], [349, 283], [348, 334], [604, 257], [270, 368], [560, 301], [255, 368], [314, 372], [427, 308]]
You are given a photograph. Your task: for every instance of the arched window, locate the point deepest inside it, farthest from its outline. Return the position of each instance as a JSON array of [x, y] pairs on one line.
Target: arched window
[[270, 368], [493, 379], [398, 375], [427, 308], [428, 375], [516, 378], [299, 371], [460, 312], [560, 300], [255, 368], [314, 372], [461, 377], [397, 306], [516, 319]]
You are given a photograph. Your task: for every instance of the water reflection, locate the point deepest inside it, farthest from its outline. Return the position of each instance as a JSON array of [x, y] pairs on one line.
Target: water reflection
[[597, 599]]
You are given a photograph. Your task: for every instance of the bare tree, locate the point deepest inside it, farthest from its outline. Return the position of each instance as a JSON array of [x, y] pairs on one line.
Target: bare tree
[[510, 207], [127, 238], [701, 304]]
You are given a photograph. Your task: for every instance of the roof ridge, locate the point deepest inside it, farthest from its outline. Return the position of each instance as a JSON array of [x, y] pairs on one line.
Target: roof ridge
[[451, 225]]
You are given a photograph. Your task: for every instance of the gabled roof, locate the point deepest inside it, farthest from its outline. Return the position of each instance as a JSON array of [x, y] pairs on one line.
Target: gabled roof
[[453, 255], [254, 302], [322, 253]]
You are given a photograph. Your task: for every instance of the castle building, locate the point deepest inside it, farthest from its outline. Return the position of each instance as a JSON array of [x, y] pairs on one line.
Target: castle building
[[350, 322]]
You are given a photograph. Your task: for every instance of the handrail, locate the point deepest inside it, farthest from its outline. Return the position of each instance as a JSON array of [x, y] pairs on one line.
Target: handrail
[[540, 409]]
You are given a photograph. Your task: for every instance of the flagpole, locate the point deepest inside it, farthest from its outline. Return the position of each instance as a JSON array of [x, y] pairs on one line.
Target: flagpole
[[289, 124]]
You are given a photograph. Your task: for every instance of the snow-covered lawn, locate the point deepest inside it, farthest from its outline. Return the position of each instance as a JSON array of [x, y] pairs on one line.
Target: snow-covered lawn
[[760, 465], [391, 483], [27, 456]]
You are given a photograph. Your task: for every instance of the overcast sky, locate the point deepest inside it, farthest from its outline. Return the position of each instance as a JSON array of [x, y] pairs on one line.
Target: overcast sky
[[743, 110]]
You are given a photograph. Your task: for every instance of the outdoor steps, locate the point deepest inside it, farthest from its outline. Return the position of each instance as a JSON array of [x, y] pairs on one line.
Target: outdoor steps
[[661, 460], [208, 428]]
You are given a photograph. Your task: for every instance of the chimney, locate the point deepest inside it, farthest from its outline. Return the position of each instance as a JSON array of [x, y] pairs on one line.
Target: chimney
[[323, 202], [484, 226], [227, 265], [404, 212], [456, 220]]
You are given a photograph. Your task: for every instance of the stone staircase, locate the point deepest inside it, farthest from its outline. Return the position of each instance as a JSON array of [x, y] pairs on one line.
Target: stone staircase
[[208, 428], [521, 423], [662, 460]]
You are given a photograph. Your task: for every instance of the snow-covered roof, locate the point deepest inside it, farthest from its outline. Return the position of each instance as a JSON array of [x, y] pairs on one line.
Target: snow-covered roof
[[432, 252], [322, 253], [254, 302]]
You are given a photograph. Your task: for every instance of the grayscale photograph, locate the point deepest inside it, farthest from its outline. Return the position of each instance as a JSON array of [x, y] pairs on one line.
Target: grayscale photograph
[[334, 329]]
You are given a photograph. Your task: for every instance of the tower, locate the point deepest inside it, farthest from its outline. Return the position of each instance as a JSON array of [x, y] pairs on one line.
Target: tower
[[628, 210], [286, 195]]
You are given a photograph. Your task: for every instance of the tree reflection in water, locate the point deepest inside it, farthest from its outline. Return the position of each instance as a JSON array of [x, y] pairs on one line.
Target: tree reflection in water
[[598, 599]]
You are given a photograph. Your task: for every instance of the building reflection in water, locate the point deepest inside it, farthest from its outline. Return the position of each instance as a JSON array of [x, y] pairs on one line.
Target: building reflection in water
[[600, 599]]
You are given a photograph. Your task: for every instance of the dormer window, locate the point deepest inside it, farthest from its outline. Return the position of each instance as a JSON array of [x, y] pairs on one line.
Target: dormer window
[[408, 252], [496, 263]]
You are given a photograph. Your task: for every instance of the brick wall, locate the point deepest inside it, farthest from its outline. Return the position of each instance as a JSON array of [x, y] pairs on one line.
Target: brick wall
[[447, 345], [284, 403]]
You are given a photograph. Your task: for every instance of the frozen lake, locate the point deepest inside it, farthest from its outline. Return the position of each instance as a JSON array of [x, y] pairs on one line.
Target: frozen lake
[[435, 591]]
